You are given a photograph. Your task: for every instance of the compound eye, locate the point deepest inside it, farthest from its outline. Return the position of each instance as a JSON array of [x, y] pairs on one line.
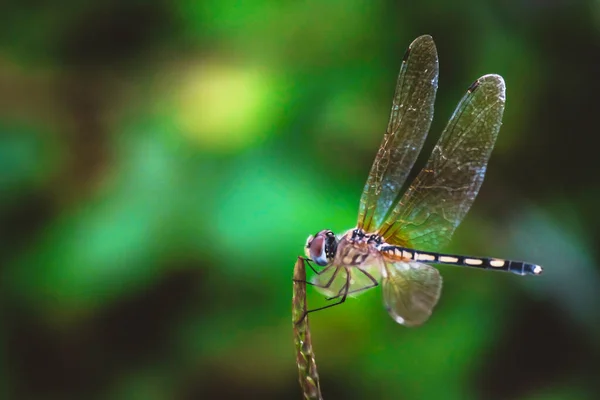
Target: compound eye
[[310, 239], [316, 250]]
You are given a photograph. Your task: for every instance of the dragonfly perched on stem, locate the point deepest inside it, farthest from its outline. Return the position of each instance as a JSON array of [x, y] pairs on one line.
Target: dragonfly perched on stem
[[396, 237]]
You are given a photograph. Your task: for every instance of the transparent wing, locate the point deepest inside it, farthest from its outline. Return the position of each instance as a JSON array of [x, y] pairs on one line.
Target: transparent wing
[[358, 278], [440, 196], [410, 119], [410, 291]]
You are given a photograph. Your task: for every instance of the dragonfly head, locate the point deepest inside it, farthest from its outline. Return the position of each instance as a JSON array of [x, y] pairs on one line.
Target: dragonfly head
[[321, 247]]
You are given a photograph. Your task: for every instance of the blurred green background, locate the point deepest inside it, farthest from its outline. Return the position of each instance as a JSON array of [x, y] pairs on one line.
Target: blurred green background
[[162, 163]]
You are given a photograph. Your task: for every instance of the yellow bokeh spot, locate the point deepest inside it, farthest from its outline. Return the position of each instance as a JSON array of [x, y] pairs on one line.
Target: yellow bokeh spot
[[223, 107]]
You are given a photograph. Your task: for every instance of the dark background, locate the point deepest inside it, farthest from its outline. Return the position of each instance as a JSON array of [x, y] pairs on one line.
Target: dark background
[[162, 163]]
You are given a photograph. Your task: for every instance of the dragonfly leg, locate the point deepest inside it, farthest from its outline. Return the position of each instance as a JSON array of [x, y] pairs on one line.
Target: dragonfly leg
[[308, 261], [374, 284], [343, 299], [326, 286]]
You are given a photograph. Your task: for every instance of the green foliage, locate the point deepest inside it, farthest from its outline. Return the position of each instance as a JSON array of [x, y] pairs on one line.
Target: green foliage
[[162, 163]]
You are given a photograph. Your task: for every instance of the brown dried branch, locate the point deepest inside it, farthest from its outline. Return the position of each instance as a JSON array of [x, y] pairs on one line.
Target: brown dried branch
[[305, 357]]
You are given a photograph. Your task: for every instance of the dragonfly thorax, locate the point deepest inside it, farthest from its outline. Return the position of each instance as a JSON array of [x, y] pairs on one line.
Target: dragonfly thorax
[[321, 247], [359, 235]]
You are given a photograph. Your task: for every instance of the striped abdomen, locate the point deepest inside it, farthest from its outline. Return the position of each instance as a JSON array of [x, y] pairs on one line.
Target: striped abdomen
[[516, 267]]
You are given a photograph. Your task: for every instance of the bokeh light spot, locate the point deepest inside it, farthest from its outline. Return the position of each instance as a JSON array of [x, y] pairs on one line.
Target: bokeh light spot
[[224, 107]]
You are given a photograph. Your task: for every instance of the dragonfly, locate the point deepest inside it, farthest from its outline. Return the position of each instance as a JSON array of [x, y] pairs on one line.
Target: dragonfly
[[398, 234]]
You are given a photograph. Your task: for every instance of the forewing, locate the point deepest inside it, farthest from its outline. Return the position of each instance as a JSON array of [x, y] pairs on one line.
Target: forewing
[[410, 291], [442, 193], [410, 119]]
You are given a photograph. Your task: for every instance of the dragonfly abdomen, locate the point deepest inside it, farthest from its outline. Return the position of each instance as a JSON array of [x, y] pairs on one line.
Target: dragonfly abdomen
[[516, 267]]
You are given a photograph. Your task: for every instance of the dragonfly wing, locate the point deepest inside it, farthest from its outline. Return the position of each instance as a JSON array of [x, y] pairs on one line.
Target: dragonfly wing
[[350, 279], [410, 291], [410, 119], [442, 193]]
